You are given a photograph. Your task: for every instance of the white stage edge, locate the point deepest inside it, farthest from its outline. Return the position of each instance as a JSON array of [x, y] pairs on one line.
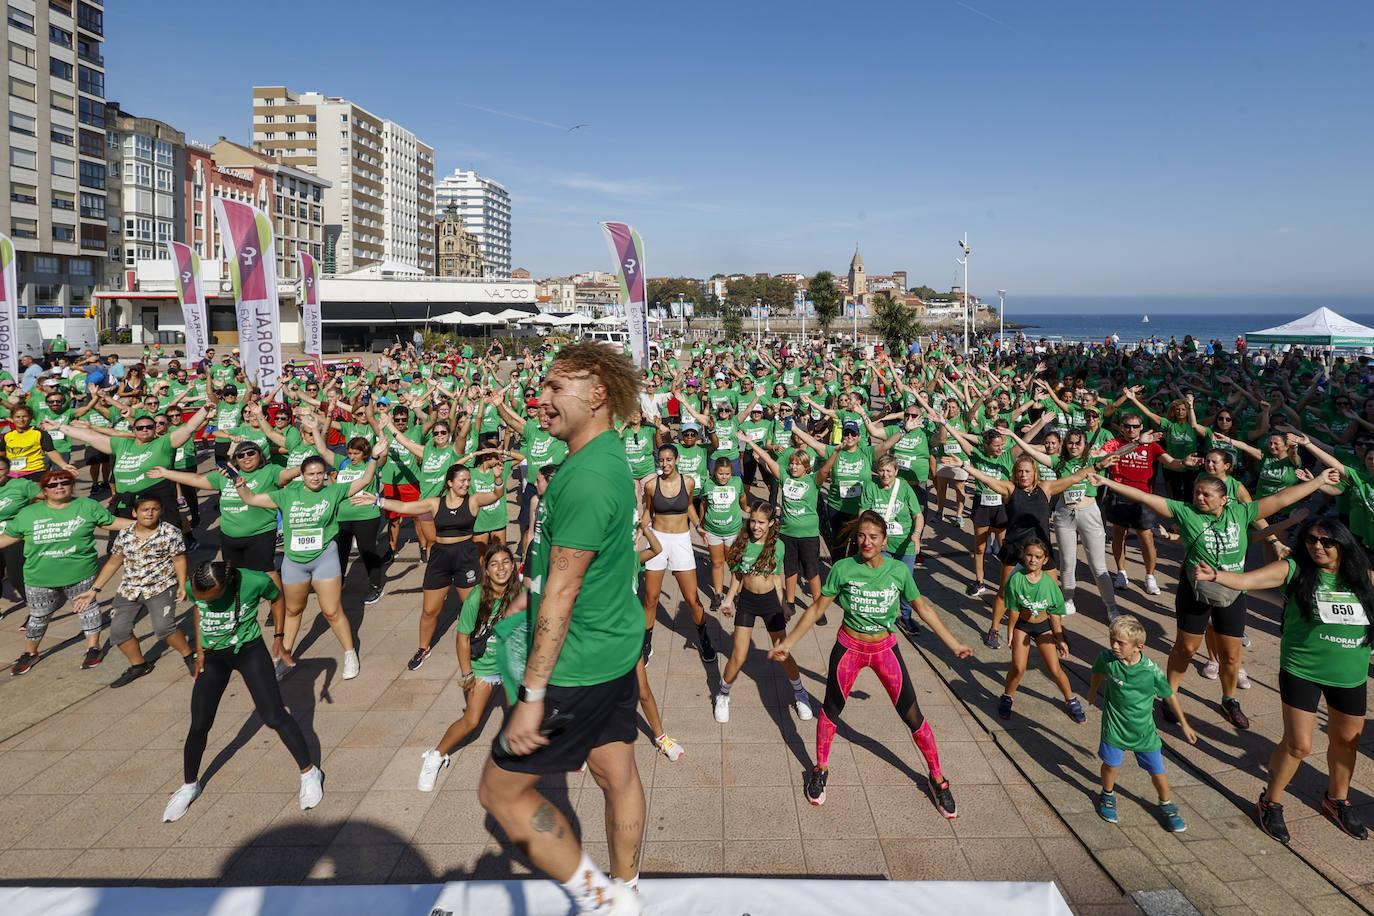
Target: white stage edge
[[662, 897]]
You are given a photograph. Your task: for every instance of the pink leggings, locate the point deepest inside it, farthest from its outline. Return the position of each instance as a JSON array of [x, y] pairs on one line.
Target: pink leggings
[[847, 659]]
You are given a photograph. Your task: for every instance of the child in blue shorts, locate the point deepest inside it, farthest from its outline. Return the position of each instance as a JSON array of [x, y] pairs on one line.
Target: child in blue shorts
[[1128, 724]]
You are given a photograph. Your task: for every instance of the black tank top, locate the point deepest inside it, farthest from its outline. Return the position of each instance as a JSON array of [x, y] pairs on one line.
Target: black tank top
[[671, 505], [1028, 514], [454, 523]]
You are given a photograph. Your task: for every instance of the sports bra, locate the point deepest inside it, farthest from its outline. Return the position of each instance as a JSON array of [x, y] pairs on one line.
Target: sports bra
[[453, 523], [671, 505]]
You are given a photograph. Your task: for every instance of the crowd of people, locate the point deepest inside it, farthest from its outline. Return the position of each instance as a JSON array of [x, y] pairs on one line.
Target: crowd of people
[[552, 490]]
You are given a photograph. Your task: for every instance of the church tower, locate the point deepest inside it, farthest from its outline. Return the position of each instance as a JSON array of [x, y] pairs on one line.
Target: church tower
[[858, 277]]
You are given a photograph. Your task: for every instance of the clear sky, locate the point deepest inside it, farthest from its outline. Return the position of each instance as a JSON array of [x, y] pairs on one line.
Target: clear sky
[[1087, 148]]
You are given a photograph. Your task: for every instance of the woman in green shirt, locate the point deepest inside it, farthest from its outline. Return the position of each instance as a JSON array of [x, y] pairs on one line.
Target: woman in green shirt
[[1324, 652], [435, 457], [360, 524], [801, 522], [723, 501]]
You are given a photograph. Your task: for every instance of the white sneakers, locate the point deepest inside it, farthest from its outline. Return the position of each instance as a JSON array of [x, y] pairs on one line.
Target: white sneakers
[[312, 788], [431, 763], [802, 704], [1121, 581], [181, 800], [1151, 586], [621, 900], [350, 665], [722, 707], [1211, 670], [1069, 607]]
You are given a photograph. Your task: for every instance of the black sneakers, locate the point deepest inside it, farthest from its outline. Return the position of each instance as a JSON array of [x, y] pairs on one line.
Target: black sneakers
[[815, 786], [25, 662], [374, 594], [131, 674], [704, 647], [943, 797], [94, 656], [417, 659], [1343, 813], [1271, 819]]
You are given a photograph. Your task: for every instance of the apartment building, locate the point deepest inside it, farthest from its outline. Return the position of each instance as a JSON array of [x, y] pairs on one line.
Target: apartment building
[[484, 205], [147, 162]]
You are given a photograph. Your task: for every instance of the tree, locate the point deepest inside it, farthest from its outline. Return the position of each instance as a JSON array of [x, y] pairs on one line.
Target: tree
[[823, 292], [731, 324], [894, 323], [663, 293], [925, 292]]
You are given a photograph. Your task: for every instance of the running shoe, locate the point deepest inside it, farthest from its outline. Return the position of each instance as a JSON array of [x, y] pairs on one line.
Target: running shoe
[[908, 626], [131, 674], [705, 649], [618, 900], [1004, 707], [976, 590], [722, 708], [1172, 820], [312, 788], [1106, 807], [180, 801], [1151, 586], [1245, 641], [350, 664], [1121, 580], [418, 659], [670, 748], [993, 640], [431, 762], [944, 798], [1271, 819], [374, 594], [1075, 709], [715, 603], [802, 704], [25, 662], [1230, 708], [1211, 670], [424, 554], [1070, 607], [1343, 813], [815, 786], [1242, 680], [192, 544], [283, 669], [647, 652], [94, 656]]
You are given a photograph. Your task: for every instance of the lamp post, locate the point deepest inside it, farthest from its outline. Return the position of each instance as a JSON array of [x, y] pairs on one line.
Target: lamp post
[[1002, 319], [963, 245], [758, 323]]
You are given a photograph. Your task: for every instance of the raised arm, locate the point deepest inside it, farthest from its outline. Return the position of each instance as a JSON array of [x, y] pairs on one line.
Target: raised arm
[[1156, 504], [1274, 502], [95, 439], [997, 485], [199, 481], [764, 458]]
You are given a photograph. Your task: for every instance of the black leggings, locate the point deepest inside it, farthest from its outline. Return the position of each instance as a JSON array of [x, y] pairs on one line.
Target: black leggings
[[12, 562], [365, 531], [255, 664], [753, 469]]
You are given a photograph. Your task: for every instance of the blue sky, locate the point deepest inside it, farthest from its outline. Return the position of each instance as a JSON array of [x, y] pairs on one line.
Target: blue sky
[[1088, 149]]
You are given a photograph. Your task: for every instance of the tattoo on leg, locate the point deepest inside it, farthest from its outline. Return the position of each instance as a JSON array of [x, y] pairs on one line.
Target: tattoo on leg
[[543, 820]]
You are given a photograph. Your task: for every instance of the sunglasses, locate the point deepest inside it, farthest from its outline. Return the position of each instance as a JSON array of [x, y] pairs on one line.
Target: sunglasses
[[1313, 540], [160, 423], [913, 416], [56, 484], [144, 427], [1131, 425]]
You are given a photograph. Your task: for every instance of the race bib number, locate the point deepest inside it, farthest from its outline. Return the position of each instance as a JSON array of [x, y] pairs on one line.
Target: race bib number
[[54, 435], [904, 463], [1075, 495], [18, 464], [893, 529], [307, 539], [990, 499], [1343, 609], [850, 490]]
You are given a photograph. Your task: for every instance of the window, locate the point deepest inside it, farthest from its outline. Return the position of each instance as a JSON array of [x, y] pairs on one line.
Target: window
[[63, 168], [198, 192], [90, 51], [164, 179], [23, 193], [22, 123], [93, 175], [63, 200], [92, 81], [92, 144], [164, 152], [143, 146], [145, 230], [269, 119], [90, 19], [62, 233], [22, 55], [269, 102], [46, 264], [343, 118], [92, 112], [62, 135], [22, 89], [164, 207], [197, 221], [271, 136], [21, 20], [59, 36], [80, 267], [59, 68], [23, 158], [62, 102], [92, 206], [23, 228], [143, 201]]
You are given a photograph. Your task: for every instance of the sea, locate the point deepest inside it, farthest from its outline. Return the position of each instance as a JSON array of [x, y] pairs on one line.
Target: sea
[[1207, 318]]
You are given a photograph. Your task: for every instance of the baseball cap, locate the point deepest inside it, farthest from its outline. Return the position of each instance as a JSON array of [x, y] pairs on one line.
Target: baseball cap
[[720, 376], [757, 408], [229, 389], [690, 426], [849, 426]]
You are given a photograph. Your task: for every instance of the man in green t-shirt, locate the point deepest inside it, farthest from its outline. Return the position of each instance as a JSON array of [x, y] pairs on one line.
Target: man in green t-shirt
[[577, 698]]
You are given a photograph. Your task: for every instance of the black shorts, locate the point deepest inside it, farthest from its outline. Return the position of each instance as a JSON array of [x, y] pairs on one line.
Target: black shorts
[[256, 551], [1300, 693], [989, 516], [1194, 615], [95, 456], [1034, 630], [452, 566], [1010, 554], [1127, 513], [527, 494], [750, 607], [801, 555], [599, 714]]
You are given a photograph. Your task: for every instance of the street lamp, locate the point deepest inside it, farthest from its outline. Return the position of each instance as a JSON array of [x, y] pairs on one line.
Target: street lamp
[[963, 245], [1002, 319], [758, 323]]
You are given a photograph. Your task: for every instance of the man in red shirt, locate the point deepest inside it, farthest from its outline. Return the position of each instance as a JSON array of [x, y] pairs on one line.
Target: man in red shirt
[[1136, 468]]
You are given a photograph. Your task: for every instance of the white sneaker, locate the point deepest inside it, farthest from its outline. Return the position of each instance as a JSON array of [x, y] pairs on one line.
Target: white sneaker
[[432, 763], [1211, 670], [1151, 586], [670, 748], [312, 788], [802, 703], [621, 900], [722, 707], [1245, 641], [1069, 607], [1242, 680], [350, 665], [1121, 581], [181, 800]]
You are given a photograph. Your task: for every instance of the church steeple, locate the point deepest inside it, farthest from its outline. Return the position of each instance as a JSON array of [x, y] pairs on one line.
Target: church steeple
[[858, 278]]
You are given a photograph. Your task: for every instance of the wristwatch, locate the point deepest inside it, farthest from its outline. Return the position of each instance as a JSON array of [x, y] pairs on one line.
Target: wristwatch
[[530, 694]]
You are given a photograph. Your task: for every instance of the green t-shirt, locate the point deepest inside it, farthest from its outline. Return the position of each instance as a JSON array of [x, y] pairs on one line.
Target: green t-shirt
[[1128, 698], [61, 442], [401, 466], [310, 520], [800, 518], [639, 450], [1180, 440], [848, 476], [496, 516], [1274, 475], [912, 453], [752, 551], [869, 596], [900, 507], [483, 665], [1332, 646], [1033, 598], [995, 466], [237, 519], [434, 465], [59, 544], [1360, 487], [231, 620], [540, 448], [15, 494], [590, 505], [250, 434], [1080, 491], [1220, 541], [297, 450], [727, 444], [723, 514], [228, 414], [132, 460], [348, 472], [691, 463]]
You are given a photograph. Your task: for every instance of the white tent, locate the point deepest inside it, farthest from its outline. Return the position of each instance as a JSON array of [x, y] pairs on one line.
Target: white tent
[[1322, 328], [510, 315], [456, 318]]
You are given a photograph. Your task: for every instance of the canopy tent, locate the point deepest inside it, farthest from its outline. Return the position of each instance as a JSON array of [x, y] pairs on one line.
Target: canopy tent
[[510, 314], [1322, 328], [457, 318]]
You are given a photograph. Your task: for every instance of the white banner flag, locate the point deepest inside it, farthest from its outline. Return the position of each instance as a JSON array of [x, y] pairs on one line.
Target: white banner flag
[[9, 308], [191, 292], [248, 243]]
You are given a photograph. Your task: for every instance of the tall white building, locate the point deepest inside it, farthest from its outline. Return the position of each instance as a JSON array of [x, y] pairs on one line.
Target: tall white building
[[484, 205]]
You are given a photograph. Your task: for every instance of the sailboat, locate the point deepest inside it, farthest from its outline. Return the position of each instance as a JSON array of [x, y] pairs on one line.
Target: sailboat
[[1145, 320]]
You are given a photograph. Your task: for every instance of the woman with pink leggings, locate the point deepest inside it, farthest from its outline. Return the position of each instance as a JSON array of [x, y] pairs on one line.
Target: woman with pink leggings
[[869, 585]]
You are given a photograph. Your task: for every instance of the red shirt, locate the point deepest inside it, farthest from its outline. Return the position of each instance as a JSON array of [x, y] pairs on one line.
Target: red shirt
[[1137, 468]]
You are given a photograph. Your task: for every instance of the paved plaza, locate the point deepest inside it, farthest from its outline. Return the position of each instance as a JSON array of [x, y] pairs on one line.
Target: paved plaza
[[85, 771]]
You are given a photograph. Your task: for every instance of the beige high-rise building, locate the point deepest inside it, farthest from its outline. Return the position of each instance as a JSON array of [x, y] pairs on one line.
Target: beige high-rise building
[[380, 202]]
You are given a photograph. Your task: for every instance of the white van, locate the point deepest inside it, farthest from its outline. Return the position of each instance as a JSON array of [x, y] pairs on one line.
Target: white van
[[617, 338]]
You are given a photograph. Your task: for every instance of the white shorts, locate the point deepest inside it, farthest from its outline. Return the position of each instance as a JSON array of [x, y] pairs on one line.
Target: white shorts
[[950, 472], [714, 541], [676, 555]]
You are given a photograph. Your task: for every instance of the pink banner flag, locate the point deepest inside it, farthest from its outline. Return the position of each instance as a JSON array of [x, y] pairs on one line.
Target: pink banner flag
[[9, 308], [248, 247], [628, 250], [312, 324], [191, 292]]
